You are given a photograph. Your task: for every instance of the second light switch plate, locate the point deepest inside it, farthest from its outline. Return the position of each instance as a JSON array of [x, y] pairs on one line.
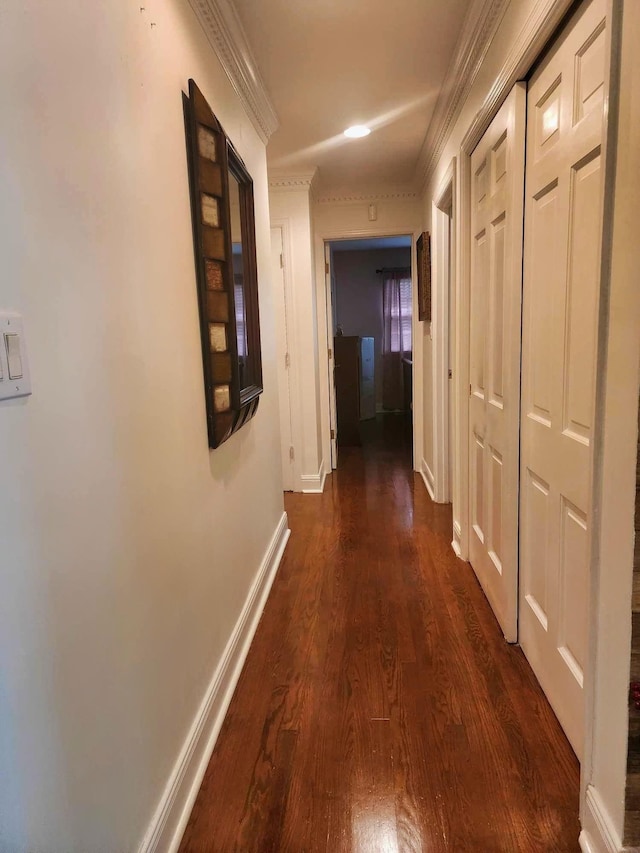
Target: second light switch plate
[[15, 380]]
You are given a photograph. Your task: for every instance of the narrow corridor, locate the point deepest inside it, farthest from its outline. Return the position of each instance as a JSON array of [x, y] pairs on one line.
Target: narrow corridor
[[380, 709]]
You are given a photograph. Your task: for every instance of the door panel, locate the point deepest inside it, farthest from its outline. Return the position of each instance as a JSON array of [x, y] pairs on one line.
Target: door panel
[[497, 169], [582, 297], [495, 544], [537, 360], [535, 546], [560, 309], [497, 319]]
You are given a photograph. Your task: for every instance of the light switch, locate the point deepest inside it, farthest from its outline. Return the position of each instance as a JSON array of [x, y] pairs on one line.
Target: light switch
[[15, 380], [14, 356]]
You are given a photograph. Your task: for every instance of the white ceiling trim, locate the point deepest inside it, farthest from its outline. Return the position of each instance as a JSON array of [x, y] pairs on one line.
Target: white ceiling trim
[[291, 183], [227, 37], [370, 196], [478, 31]]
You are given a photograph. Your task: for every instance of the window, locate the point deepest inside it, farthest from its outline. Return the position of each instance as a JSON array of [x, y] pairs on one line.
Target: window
[[397, 310]]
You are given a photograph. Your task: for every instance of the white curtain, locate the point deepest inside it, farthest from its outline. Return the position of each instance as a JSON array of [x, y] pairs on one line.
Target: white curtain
[[396, 341]]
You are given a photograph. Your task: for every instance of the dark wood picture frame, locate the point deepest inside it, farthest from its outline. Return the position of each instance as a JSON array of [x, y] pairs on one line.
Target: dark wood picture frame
[[222, 211], [423, 251]]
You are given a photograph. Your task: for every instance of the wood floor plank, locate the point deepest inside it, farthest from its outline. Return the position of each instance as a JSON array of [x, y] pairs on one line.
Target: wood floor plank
[[380, 710]]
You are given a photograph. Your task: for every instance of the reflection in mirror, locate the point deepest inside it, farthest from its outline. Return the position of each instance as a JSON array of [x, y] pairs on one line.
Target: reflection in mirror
[[238, 278]]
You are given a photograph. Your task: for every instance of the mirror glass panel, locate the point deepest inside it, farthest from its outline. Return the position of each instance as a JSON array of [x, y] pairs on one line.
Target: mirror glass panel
[[235, 189]]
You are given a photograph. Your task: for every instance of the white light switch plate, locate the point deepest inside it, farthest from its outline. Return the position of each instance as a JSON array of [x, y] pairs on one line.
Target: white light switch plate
[[11, 324]]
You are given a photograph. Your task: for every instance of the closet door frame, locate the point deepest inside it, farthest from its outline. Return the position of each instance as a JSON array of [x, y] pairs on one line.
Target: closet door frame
[[542, 25]]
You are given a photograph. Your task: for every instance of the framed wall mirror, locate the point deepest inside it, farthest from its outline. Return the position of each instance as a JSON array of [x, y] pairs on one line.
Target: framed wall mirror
[[224, 238]]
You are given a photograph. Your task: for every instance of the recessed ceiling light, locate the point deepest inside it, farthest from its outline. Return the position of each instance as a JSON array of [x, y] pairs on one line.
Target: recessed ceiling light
[[357, 131]]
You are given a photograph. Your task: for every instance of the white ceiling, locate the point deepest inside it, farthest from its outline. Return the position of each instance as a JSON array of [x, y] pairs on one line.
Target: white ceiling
[[328, 64]]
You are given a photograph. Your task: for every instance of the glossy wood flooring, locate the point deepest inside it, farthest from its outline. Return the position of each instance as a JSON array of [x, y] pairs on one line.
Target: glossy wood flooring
[[380, 710]]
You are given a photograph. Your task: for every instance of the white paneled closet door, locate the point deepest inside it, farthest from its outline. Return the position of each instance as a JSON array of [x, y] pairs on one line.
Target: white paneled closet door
[[284, 388], [497, 192], [560, 310]]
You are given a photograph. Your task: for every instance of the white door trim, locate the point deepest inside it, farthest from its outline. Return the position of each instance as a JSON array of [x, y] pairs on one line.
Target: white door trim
[[443, 260], [604, 767], [322, 238], [461, 357], [331, 362]]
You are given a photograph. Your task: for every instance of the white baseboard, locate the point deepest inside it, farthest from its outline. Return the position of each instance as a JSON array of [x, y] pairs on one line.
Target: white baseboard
[[598, 832], [456, 543], [170, 819], [427, 476], [585, 842], [313, 484]]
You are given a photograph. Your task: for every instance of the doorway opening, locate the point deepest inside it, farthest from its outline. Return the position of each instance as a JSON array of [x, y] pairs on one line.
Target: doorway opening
[[371, 313]]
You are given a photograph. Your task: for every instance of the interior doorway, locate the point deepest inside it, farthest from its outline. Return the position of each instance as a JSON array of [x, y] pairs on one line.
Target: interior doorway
[[371, 315]]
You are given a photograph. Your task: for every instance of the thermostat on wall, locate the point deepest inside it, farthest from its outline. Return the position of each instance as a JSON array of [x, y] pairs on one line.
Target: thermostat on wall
[[15, 380]]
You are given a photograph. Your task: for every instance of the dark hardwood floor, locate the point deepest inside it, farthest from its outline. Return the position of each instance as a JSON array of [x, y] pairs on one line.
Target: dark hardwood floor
[[380, 710]]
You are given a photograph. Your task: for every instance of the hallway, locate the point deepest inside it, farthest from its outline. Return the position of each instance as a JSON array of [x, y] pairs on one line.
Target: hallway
[[380, 709]]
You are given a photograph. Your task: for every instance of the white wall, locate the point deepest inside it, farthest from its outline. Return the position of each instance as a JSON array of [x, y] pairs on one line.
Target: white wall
[[127, 547], [334, 219]]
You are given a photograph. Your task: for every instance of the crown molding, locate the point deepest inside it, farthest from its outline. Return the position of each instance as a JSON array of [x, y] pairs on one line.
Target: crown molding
[[479, 28], [383, 195], [293, 182], [223, 27]]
